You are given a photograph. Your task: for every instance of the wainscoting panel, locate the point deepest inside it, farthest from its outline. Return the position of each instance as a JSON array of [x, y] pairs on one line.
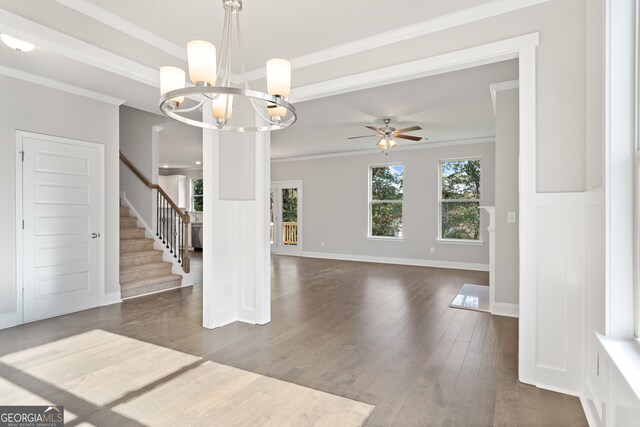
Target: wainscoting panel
[[235, 233], [560, 291]]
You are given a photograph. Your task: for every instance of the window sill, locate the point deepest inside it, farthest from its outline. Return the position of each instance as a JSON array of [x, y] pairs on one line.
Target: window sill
[[461, 242], [625, 355], [389, 239]]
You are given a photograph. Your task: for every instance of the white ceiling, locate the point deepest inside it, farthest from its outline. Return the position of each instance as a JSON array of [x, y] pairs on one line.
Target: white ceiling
[[112, 49], [449, 107]]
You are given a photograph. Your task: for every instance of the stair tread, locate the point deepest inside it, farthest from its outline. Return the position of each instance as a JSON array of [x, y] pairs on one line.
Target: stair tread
[[150, 281], [133, 241], [141, 253], [143, 267]]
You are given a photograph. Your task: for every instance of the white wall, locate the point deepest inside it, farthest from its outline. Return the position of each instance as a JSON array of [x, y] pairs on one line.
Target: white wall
[[335, 203], [506, 148], [34, 108], [138, 144]]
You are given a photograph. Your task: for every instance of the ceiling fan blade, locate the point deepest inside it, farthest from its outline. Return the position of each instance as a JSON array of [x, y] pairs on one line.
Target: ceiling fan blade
[[378, 131], [363, 136], [411, 129], [412, 138]]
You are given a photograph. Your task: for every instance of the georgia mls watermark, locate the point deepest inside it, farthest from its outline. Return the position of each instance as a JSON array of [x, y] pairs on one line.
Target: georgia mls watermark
[[32, 416]]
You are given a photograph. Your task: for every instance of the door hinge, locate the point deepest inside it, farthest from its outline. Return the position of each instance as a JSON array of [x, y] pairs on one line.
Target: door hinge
[[22, 154], [22, 292], [23, 224]]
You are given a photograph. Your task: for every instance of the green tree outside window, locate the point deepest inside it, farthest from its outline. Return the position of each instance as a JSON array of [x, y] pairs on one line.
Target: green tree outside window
[[385, 207], [460, 199], [197, 195]]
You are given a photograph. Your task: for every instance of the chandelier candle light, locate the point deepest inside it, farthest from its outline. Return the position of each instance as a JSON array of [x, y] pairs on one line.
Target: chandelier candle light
[[213, 84]]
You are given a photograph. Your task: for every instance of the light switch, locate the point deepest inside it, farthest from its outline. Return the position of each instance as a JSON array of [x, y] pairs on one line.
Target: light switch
[[511, 217]]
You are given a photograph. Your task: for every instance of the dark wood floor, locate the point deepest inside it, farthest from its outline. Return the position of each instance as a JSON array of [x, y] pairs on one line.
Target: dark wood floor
[[376, 333]]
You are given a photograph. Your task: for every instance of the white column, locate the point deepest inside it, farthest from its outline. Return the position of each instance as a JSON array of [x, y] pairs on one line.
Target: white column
[[236, 279]]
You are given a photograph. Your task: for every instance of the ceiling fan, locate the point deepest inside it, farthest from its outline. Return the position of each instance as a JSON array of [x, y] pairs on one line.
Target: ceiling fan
[[387, 135]]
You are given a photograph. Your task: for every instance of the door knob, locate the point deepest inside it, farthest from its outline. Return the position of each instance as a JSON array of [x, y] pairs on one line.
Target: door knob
[[95, 235]]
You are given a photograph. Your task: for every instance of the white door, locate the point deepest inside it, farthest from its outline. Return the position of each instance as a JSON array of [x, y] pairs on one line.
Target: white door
[[62, 209], [286, 218]]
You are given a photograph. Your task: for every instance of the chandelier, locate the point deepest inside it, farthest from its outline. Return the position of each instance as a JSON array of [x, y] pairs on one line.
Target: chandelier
[[212, 84]]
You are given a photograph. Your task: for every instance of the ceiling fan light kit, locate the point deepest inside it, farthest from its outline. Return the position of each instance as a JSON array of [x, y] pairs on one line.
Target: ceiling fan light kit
[[209, 86], [387, 135]]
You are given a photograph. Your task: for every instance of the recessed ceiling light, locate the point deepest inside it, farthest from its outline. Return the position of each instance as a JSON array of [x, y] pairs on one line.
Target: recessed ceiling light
[[16, 44], [198, 163]]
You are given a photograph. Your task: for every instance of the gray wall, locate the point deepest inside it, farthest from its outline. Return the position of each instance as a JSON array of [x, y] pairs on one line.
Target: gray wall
[[335, 203], [594, 102], [507, 148], [561, 82], [34, 108], [138, 145]]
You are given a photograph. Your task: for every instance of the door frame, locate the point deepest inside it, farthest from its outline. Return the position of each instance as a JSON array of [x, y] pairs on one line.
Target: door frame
[[19, 169], [292, 183]]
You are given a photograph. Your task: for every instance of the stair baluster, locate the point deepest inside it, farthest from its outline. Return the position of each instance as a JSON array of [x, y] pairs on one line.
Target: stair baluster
[[171, 222]]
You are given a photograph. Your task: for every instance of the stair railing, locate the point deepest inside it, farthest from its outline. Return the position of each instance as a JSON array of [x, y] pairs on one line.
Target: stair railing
[[172, 224]]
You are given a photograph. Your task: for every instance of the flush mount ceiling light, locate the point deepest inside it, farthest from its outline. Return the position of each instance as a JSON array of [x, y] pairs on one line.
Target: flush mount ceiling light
[[16, 44], [213, 84]]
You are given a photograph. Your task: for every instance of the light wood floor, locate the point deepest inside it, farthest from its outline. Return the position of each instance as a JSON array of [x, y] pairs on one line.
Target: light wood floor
[[374, 333]]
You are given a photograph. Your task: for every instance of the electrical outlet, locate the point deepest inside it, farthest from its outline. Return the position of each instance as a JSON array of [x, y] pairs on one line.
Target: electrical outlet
[[322, 244], [511, 217], [432, 250], [227, 291]]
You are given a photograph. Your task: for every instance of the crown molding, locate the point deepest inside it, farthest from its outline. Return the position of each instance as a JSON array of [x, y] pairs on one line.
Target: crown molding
[[116, 22], [89, 54], [424, 146], [497, 87], [456, 19], [72, 48], [448, 62], [55, 84]]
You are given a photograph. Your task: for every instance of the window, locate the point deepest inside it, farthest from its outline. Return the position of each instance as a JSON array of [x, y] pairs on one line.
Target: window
[[385, 201], [460, 200], [636, 189], [636, 306], [637, 243], [196, 195]]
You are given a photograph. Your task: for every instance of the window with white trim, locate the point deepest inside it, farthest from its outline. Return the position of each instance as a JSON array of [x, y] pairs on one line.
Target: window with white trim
[[459, 200], [385, 200], [636, 190], [636, 307], [197, 195]]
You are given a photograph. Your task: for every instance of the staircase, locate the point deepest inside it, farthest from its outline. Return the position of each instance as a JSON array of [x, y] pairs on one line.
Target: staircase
[[142, 270]]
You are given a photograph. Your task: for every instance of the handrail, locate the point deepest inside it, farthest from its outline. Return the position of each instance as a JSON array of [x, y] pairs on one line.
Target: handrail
[[170, 231], [184, 216]]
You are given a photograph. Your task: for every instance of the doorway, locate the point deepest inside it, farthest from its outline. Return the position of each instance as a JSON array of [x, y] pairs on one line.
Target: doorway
[[60, 212], [286, 218]]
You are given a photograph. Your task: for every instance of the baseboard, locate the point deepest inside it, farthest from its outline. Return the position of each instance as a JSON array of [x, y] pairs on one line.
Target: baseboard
[[398, 261], [156, 292], [590, 412], [111, 298], [505, 309], [558, 380], [8, 320]]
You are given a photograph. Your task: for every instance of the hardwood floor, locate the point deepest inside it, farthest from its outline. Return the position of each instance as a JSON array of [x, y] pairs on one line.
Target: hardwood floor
[[375, 333]]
